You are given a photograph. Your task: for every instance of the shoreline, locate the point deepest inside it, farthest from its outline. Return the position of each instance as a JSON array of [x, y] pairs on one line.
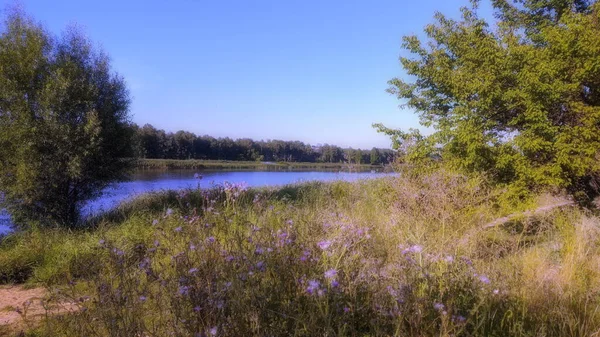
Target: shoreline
[[174, 164]]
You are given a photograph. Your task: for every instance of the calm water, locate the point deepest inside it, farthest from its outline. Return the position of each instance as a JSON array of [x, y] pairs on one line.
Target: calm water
[[149, 181]]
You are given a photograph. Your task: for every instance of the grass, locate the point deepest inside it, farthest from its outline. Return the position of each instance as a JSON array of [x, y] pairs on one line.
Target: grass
[[164, 164], [387, 257]]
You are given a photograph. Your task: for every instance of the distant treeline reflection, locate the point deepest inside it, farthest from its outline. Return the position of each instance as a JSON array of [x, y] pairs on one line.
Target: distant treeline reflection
[[152, 143]]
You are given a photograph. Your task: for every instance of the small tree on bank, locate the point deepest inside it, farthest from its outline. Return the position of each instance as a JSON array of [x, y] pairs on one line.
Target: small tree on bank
[[64, 129], [518, 101]]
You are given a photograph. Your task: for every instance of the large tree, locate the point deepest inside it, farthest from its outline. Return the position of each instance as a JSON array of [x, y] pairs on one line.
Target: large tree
[[518, 99], [64, 129]]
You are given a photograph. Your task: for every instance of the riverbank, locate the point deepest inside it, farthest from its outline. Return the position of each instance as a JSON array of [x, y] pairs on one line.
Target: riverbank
[[169, 164], [397, 256]]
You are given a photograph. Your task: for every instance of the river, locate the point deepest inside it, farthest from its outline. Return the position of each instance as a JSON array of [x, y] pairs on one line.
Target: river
[[151, 181]]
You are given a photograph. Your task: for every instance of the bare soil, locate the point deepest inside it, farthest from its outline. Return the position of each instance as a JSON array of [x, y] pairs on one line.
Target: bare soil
[[20, 307]]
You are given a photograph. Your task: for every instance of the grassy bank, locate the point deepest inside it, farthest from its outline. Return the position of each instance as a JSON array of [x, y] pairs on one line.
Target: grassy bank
[[397, 256], [165, 164]]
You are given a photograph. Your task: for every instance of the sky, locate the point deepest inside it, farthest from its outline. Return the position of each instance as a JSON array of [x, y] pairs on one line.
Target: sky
[[308, 70]]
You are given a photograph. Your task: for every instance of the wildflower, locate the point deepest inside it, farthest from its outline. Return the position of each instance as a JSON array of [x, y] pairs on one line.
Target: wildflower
[[145, 264], [334, 284], [459, 319], [496, 291], [178, 229], [466, 260], [101, 242], [313, 286], [183, 290], [156, 243], [330, 274], [324, 244], [192, 246], [259, 251], [142, 298], [168, 212], [305, 256], [290, 222], [438, 306], [211, 239], [449, 258], [193, 270], [416, 249], [346, 309], [213, 331], [484, 279], [197, 308], [260, 266], [154, 222]]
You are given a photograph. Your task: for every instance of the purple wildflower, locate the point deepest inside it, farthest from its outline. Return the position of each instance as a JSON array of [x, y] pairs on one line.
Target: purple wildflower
[[416, 249], [178, 229], [101, 242], [193, 270], [438, 306], [154, 222], [211, 239], [142, 298], [313, 286], [331, 274], [305, 256], [213, 331], [324, 244], [184, 290], [168, 212], [484, 279]]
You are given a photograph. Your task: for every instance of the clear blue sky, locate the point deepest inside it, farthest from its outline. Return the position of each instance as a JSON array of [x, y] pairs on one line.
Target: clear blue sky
[[307, 70]]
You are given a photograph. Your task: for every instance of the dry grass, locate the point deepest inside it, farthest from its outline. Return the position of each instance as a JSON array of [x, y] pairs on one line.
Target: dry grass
[[394, 256]]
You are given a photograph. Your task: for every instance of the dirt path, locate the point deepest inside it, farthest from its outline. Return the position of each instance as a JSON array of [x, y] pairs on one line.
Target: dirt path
[[15, 301]]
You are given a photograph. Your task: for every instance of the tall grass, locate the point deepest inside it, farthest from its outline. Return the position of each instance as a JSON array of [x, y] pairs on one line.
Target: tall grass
[[389, 257]]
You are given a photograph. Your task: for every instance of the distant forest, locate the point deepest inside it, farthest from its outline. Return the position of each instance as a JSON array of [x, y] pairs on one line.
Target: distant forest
[[153, 143]]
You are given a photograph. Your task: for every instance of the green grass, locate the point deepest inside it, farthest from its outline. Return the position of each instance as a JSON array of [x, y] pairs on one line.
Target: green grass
[[389, 257], [165, 164]]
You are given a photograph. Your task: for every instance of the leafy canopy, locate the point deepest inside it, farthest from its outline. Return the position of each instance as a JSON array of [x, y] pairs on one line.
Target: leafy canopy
[[518, 100], [63, 122]]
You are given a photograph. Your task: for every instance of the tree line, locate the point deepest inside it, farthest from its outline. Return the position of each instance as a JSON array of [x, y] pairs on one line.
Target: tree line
[[152, 143]]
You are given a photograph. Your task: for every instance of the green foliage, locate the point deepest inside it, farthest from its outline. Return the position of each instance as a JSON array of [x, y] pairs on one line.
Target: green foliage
[[63, 122], [519, 101]]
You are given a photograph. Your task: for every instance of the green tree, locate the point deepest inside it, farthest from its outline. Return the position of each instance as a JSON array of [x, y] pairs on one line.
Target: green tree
[[375, 156], [518, 100], [64, 127]]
